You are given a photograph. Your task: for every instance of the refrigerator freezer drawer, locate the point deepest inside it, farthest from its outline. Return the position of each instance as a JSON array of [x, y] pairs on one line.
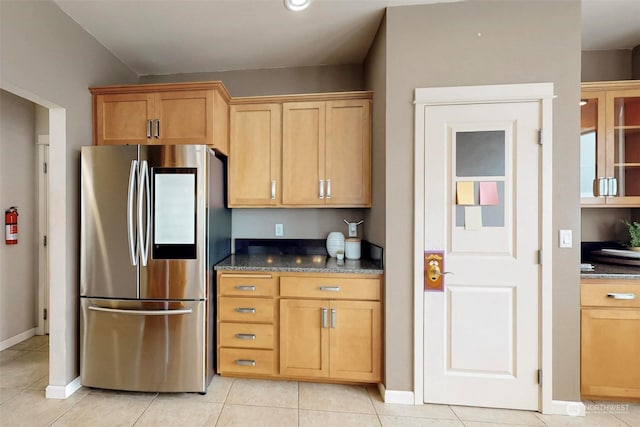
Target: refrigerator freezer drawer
[[145, 345]]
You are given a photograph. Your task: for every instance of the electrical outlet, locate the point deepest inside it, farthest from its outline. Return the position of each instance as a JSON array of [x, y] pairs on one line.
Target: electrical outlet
[[279, 230], [566, 239], [353, 231]]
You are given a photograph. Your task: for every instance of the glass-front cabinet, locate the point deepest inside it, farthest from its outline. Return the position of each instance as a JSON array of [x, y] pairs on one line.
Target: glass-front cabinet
[[610, 144]]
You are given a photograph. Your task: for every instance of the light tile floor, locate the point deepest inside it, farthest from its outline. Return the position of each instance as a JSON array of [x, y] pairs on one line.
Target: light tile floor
[[241, 402]]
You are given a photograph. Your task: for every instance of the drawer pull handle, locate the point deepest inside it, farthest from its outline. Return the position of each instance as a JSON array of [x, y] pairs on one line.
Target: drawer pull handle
[[245, 362], [246, 336], [330, 288], [248, 310], [245, 287], [618, 295]]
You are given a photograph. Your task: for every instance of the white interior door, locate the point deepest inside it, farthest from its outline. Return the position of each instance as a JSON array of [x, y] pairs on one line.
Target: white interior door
[[482, 204]]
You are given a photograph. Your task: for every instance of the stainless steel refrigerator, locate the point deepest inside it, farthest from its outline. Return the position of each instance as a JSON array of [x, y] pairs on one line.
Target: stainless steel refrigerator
[[153, 225]]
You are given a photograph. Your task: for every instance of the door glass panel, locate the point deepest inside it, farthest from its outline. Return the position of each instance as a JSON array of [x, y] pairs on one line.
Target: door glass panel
[[479, 155], [627, 145], [588, 145]]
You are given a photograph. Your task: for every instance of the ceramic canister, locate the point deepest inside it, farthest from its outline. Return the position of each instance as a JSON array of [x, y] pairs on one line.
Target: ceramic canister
[[335, 243], [352, 248]]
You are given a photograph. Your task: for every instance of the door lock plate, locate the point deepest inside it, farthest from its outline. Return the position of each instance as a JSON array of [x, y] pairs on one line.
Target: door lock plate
[[434, 271]]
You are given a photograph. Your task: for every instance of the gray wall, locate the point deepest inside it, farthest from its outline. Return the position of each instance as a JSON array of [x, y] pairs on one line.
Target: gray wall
[[46, 54], [18, 263], [635, 63], [437, 45], [298, 223], [376, 80], [603, 65], [276, 81], [600, 225]]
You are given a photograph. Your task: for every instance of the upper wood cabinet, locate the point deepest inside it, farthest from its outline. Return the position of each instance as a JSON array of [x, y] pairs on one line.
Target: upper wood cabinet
[[181, 113], [254, 155], [610, 144], [326, 153], [301, 151]]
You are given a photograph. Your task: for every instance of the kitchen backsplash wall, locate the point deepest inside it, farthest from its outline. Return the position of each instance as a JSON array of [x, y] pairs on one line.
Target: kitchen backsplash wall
[[297, 223], [604, 224]]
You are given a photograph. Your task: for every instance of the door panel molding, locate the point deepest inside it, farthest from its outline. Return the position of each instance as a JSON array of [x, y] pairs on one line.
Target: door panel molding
[[537, 92]]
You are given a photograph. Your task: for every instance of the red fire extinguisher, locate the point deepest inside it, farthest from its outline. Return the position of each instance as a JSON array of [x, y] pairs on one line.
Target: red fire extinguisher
[[11, 226]]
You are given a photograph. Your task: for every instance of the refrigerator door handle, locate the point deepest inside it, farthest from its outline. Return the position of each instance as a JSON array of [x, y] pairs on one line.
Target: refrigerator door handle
[[133, 248], [143, 190], [141, 312]]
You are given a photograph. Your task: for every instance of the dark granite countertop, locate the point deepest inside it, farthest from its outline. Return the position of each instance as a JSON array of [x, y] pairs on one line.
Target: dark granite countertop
[[297, 264], [611, 271]]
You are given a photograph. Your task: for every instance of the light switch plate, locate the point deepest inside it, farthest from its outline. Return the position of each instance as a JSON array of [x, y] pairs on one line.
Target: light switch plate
[[566, 239], [279, 230]]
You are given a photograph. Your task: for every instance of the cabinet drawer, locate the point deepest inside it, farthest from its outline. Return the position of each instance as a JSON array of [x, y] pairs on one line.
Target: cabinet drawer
[[261, 285], [610, 295], [246, 361], [246, 335], [330, 288], [246, 309]]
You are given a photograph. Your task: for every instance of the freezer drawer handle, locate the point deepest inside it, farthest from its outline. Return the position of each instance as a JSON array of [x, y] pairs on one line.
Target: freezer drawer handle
[[617, 295], [245, 362], [142, 312], [245, 287], [245, 310], [246, 336]]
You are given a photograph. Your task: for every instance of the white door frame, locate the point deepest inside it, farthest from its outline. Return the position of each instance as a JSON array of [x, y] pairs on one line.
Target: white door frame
[[42, 144], [543, 93]]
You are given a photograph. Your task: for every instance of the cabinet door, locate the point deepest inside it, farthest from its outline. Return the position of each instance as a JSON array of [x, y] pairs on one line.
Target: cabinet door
[[123, 119], [609, 353], [184, 117], [303, 139], [348, 153], [254, 160], [355, 341], [623, 145], [304, 338], [592, 147]]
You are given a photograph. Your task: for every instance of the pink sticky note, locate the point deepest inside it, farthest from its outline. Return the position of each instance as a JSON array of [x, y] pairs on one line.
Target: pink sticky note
[[489, 193]]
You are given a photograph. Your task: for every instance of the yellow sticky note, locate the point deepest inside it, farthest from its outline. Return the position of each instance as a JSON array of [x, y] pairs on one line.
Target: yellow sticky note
[[473, 217], [464, 192]]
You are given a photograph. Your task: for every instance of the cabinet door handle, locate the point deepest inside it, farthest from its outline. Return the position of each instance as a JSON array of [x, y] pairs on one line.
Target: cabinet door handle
[[599, 187], [321, 189], [245, 362], [157, 130], [273, 189], [613, 186], [149, 129], [333, 318], [246, 336], [246, 310], [619, 295], [328, 189], [330, 288], [245, 288], [324, 317]]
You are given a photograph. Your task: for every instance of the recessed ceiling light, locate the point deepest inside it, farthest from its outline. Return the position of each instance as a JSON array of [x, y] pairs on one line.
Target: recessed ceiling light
[[297, 5]]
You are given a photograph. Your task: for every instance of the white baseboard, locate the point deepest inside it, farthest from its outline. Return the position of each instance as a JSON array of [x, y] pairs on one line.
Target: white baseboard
[[565, 407], [394, 396], [10, 342], [62, 391]]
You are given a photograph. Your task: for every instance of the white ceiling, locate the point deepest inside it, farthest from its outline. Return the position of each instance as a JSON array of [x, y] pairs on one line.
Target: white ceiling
[[185, 36]]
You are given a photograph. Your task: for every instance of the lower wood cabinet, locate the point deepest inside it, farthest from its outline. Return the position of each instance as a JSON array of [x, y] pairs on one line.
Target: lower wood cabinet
[[610, 339], [330, 339], [300, 326]]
